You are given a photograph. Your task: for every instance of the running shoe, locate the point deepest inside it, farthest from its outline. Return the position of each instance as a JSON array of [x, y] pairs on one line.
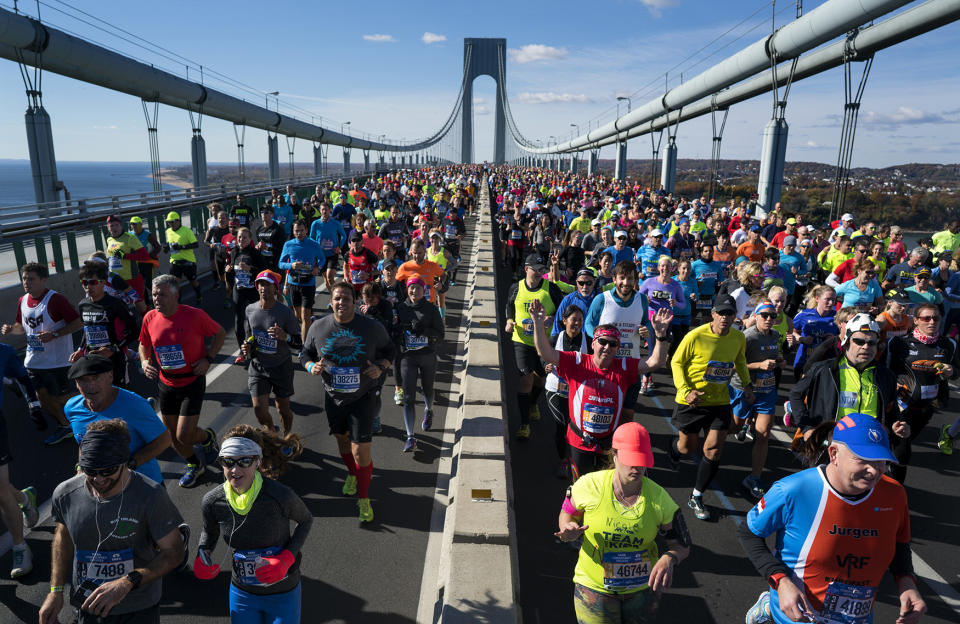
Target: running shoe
[[190, 475], [743, 431], [22, 562], [534, 412], [753, 486], [523, 432], [759, 613], [398, 396], [427, 420], [699, 510], [945, 443], [185, 536], [29, 508], [59, 434], [366, 511], [350, 486], [210, 448], [410, 445], [788, 416]]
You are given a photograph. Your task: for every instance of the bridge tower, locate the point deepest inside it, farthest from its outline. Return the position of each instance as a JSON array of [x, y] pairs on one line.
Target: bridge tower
[[484, 57]]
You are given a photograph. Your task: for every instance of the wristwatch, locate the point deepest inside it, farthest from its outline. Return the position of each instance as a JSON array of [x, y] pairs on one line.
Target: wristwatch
[[134, 577]]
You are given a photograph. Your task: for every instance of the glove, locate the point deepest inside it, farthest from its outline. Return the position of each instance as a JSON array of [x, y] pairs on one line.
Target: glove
[[175, 247], [275, 568], [202, 570], [166, 249], [36, 415]]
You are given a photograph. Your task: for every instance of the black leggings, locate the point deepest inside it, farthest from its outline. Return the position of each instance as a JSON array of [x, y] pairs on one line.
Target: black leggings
[[917, 418], [559, 408], [242, 297]]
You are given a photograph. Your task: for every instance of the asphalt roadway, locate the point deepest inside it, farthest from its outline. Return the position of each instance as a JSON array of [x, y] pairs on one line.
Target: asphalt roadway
[[716, 583], [351, 573]]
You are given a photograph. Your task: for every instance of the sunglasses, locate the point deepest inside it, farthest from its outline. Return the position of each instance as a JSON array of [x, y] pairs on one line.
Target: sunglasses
[[243, 462], [928, 319], [608, 343], [90, 282], [584, 283], [863, 341], [102, 472], [767, 315]]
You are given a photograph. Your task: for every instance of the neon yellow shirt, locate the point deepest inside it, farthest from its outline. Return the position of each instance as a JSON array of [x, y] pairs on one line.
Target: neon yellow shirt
[[858, 392], [126, 243], [523, 324], [581, 223], [183, 236], [619, 549], [705, 361]]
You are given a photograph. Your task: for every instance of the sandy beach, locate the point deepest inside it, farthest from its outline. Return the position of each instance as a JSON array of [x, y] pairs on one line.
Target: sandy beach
[[169, 177]]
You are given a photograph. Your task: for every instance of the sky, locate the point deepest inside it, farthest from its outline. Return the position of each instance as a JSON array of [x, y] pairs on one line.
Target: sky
[[394, 68]]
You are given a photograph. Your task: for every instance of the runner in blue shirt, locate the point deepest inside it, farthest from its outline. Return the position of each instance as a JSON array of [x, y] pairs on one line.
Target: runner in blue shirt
[[329, 233], [708, 273], [303, 259]]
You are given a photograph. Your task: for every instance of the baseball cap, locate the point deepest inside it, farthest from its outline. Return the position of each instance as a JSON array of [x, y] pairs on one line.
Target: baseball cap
[[89, 365], [356, 236], [136, 220], [620, 234], [656, 232], [840, 233], [596, 222], [864, 436], [678, 211], [898, 295], [860, 323], [267, 208], [268, 276], [114, 219], [755, 227], [173, 216], [789, 240], [725, 304], [847, 217], [791, 221], [632, 442], [535, 262], [924, 272]]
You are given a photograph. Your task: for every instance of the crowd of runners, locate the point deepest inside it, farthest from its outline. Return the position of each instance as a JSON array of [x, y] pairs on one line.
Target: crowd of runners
[[386, 250], [614, 281]]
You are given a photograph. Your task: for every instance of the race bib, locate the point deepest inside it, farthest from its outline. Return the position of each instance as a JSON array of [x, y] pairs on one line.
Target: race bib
[[705, 302], [265, 344], [114, 264], [102, 566], [515, 235], [245, 564], [765, 382], [170, 357], [243, 279], [415, 341], [34, 343], [847, 604], [355, 277], [848, 399], [597, 418], [625, 350], [96, 336], [397, 239], [929, 392], [345, 378], [708, 275], [327, 245], [527, 325], [626, 570], [450, 231], [718, 372]]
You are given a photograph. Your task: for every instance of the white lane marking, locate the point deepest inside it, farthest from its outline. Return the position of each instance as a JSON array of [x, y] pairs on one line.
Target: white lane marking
[[427, 608], [937, 583], [6, 541]]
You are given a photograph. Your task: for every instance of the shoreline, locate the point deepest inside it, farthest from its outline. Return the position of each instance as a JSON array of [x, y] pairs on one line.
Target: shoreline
[[168, 177]]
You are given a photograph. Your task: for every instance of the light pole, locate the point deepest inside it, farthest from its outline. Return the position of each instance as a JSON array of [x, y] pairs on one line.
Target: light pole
[[620, 165], [266, 100], [573, 125], [346, 123], [629, 103]]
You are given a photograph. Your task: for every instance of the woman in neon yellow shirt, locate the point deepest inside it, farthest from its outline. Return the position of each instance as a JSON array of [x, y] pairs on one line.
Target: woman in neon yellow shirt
[[620, 573]]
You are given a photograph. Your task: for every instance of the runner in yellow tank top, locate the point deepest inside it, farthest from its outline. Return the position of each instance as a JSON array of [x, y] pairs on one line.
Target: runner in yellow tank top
[[437, 253]]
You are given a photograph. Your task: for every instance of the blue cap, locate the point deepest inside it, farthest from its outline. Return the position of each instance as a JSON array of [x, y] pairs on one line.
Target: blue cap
[[755, 228], [864, 436]]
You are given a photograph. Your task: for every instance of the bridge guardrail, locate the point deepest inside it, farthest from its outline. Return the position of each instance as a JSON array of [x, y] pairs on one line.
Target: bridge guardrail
[[479, 569]]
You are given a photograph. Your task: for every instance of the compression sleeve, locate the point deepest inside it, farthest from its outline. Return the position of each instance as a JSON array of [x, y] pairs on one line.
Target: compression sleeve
[[511, 300], [759, 555]]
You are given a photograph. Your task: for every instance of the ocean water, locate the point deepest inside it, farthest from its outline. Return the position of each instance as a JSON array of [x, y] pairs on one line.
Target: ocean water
[[82, 179]]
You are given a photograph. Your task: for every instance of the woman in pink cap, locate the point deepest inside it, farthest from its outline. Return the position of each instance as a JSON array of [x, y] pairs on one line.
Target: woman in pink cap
[[618, 513]]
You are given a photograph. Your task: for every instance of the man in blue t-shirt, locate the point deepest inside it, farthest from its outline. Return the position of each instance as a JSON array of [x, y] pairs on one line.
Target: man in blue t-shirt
[[100, 400]]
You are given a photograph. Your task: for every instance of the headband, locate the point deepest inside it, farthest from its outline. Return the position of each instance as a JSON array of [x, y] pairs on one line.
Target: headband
[[607, 332], [764, 307], [103, 449], [239, 446]]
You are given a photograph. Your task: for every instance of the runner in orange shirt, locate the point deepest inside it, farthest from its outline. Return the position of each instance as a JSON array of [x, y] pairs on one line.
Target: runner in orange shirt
[[420, 267]]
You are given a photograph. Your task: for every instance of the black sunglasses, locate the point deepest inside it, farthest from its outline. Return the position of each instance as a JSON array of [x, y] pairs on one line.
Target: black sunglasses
[[767, 315], [608, 343], [863, 341], [584, 282], [102, 472], [243, 462]]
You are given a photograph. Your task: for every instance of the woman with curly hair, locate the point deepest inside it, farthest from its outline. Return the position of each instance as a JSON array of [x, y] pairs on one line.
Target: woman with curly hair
[[254, 511]]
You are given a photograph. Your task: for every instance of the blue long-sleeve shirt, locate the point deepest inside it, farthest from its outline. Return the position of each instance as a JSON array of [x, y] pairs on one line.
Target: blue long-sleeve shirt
[[952, 290], [307, 251], [283, 214], [574, 298], [329, 234]]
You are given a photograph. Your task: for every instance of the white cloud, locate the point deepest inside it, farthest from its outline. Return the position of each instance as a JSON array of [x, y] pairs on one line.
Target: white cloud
[[481, 109], [380, 38], [549, 97], [429, 37], [905, 116], [656, 6], [105, 127], [478, 100], [536, 52]]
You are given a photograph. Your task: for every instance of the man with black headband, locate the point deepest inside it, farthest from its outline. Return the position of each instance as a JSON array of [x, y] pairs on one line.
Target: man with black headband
[[119, 529]]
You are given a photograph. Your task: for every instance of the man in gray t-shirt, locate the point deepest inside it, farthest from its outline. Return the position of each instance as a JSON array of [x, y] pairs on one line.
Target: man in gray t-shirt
[[273, 329], [117, 530]]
